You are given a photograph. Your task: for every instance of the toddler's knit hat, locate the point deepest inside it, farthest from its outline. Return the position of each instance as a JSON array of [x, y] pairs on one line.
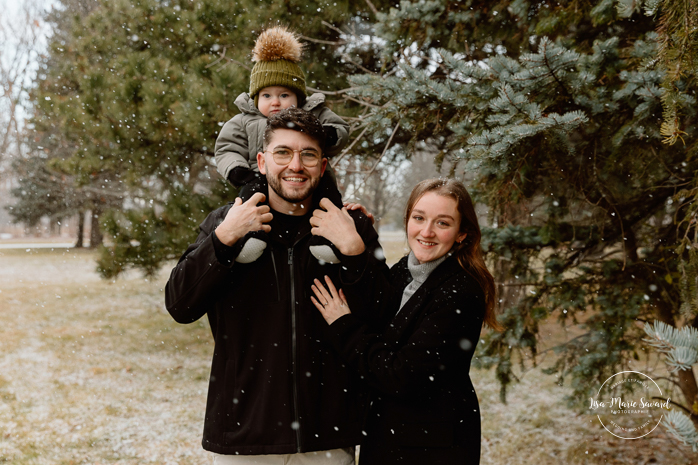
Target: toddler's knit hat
[[276, 54]]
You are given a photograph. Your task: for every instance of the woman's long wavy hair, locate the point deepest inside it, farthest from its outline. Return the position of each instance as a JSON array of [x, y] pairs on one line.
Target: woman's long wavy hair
[[468, 252]]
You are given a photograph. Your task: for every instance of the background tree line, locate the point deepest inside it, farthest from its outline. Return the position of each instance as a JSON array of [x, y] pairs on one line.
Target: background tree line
[[573, 123]]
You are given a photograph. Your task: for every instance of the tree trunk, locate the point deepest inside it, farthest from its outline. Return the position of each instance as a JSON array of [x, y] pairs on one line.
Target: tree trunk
[[95, 232], [81, 230], [687, 383]]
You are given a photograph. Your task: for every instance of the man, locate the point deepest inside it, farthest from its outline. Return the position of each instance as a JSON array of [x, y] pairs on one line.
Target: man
[[277, 393]]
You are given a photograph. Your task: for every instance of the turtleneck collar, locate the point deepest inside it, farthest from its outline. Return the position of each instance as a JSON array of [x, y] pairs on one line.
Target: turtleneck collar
[[420, 272]]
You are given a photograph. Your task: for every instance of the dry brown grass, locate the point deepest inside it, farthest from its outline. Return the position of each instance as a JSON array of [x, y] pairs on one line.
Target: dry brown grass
[[95, 372]]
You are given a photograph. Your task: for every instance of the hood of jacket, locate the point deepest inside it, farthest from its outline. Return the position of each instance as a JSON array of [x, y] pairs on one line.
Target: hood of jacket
[[246, 104]]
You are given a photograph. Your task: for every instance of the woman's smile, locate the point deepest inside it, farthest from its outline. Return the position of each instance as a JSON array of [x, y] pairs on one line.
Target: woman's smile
[[433, 227]]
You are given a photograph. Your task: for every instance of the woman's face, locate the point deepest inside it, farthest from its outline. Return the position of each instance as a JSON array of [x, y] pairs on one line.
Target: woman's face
[[433, 227]]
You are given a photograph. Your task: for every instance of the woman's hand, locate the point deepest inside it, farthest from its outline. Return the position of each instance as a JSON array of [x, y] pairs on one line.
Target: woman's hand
[[338, 227], [332, 304], [357, 206]]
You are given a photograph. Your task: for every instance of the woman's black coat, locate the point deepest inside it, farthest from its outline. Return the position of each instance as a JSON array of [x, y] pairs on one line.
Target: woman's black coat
[[424, 409]]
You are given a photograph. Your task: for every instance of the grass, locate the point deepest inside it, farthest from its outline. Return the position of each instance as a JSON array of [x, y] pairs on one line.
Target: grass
[[97, 372]]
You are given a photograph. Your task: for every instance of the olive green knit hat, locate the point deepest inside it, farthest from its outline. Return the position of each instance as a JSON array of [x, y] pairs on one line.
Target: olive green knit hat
[[276, 54]]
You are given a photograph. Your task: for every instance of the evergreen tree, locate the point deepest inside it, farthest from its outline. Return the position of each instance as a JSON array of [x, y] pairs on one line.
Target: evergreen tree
[[677, 53], [140, 90], [40, 191], [553, 110]]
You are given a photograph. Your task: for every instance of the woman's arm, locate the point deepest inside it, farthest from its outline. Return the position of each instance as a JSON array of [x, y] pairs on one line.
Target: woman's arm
[[440, 346]]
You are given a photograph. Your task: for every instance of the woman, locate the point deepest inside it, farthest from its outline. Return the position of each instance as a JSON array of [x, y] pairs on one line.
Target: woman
[[411, 331]]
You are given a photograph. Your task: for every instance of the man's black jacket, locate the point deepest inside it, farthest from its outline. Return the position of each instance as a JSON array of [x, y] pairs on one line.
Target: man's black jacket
[[275, 387]]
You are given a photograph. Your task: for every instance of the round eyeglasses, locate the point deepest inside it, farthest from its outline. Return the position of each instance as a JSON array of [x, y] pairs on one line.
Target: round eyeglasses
[[283, 156]]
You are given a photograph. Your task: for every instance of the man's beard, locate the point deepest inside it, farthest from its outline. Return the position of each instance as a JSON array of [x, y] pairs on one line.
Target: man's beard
[[296, 196]]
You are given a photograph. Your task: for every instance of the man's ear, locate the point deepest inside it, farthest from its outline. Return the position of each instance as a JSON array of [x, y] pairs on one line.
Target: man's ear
[[261, 163], [324, 166]]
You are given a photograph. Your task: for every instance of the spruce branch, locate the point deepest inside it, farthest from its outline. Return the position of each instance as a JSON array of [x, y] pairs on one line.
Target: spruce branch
[[349, 60], [547, 65], [681, 427], [681, 344], [333, 27], [681, 358]]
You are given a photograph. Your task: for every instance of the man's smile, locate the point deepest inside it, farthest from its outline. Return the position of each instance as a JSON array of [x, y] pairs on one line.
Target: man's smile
[[295, 179]]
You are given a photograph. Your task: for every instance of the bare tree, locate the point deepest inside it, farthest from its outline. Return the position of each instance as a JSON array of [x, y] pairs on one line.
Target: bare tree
[[21, 39], [375, 182]]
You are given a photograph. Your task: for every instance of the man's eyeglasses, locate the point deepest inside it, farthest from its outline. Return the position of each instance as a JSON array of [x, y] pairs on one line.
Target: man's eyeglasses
[[282, 156]]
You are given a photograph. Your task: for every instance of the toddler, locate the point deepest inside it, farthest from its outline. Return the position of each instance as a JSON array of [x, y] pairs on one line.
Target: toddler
[[276, 83]]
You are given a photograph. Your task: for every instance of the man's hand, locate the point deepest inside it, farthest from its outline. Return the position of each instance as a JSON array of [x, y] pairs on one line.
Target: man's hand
[[338, 227], [243, 218]]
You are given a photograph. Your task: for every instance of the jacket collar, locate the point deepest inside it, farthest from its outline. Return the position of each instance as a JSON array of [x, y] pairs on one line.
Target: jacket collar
[[436, 279], [314, 101], [246, 105]]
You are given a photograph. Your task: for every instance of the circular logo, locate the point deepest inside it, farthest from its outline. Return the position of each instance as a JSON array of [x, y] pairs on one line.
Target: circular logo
[[629, 405]]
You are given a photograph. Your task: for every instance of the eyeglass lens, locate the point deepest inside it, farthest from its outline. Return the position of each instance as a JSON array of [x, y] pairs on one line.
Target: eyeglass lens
[[309, 158]]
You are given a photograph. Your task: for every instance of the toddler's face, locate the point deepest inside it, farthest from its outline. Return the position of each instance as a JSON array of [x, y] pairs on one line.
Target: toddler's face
[[273, 99]]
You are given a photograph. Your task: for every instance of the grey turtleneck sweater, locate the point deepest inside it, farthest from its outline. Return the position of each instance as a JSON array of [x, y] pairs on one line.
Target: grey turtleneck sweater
[[420, 272]]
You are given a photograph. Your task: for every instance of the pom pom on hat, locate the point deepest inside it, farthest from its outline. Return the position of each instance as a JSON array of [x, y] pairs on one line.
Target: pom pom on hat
[[277, 43]]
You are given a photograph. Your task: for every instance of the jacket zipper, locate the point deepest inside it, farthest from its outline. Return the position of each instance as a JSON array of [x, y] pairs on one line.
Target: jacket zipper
[[294, 351], [276, 277]]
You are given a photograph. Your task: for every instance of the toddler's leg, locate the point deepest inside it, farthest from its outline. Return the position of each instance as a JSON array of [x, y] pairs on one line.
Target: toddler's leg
[[255, 241], [256, 183], [321, 248]]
